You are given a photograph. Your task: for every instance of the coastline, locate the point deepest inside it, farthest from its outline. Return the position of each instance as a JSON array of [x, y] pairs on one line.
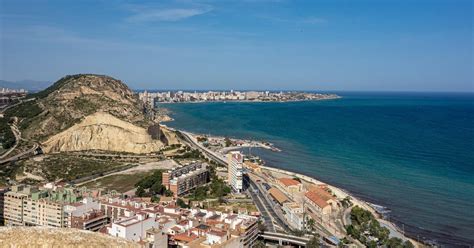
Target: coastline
[[256, 101], [341, 194]]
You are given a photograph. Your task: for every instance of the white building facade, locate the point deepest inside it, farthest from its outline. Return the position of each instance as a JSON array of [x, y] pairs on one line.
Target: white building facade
[[235, 160]]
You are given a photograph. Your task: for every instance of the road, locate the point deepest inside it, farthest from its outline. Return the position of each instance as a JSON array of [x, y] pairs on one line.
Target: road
[[18, 156], [17, 135], [268, 213], [272, 209], [262, 209], [210, 154]]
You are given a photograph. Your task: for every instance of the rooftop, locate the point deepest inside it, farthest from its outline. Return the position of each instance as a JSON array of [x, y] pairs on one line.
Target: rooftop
[[185, 237], [288, 181], [316, 199], [278, 195]]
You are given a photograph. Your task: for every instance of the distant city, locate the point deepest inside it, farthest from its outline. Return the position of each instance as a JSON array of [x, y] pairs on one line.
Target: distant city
[[151, 98], [7, 95]]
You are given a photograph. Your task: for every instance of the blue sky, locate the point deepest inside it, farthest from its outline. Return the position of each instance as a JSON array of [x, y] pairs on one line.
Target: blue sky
[[408, 45]]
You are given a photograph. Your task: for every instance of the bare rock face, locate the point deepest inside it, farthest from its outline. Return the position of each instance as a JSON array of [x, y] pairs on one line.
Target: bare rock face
[[58, 237], [102, 131]]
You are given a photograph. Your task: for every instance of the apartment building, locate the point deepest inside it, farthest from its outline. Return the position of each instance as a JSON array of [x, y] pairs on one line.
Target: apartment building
[[2, 204], [116, 208], [86, 215], [235, 161], [183, 179], [294, 214], [13, 204], [32, 206]]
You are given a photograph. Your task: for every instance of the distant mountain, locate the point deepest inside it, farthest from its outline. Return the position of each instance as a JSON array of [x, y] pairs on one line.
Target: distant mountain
[[29, 85]]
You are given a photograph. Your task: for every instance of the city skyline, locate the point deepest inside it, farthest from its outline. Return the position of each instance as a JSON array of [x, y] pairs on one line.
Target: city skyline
[[274, 45]]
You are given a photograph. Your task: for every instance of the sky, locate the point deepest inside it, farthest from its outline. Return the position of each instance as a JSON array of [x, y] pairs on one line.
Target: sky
[[380, 45]]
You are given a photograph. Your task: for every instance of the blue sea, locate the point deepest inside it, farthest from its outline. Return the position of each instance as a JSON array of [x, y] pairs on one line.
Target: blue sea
[[410, 152]]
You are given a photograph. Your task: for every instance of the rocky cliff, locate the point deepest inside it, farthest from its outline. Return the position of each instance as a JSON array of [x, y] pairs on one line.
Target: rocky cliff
[[103, 131]]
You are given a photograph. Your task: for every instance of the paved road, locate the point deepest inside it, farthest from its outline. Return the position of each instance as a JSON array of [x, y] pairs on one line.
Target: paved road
[[262, 200], [268, 222], [212, 155], [268, 205], [20, 155], [17, 135]]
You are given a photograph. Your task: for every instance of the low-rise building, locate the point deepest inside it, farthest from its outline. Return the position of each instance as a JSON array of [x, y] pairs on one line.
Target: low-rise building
[[278, 195], [132, 228], [320, 201], [92, 220], [290, 185], [253, 167]]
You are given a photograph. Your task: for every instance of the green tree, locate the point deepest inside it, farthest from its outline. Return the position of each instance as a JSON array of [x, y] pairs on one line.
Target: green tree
[[261, 226], [228, 142], [157, 188], [310, 225], [408, 244], [394, 243], [155, 198], [313, 242], [372, 244], [181, 203], [140, 192], [168, 193], [259, 244]]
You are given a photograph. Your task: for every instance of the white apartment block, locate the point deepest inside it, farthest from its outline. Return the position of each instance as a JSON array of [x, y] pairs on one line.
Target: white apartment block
[[235, 161], [132, 228]]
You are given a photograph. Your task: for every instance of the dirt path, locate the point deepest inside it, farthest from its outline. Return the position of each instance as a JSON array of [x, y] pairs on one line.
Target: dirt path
[[163, 164]]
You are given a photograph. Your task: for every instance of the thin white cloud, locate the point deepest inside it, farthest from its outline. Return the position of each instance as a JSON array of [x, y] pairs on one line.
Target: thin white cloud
[[56, 35], [305, 20], [167, 15]]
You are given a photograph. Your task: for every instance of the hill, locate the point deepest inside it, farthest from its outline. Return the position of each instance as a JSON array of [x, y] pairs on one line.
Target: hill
[[87, 112]]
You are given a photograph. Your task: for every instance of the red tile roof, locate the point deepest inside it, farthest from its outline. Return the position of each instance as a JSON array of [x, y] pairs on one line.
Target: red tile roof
[[326, 196], [185, 237], [288, 181], [316, 199]]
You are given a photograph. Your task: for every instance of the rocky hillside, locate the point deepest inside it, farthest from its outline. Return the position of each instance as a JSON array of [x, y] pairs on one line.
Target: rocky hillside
[[87, 112], [72, 98], [102, 131], [57, 237]]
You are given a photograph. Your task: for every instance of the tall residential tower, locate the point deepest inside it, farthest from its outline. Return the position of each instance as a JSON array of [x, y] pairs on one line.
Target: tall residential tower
[[235, 161]]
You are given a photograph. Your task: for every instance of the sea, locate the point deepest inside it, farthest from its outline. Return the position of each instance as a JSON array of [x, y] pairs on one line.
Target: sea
[[412, 153]]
